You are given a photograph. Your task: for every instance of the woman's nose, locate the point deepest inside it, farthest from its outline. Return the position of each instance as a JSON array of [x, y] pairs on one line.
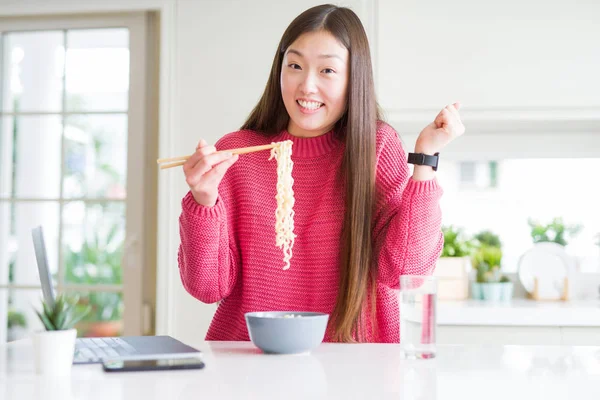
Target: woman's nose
[[309, 84]]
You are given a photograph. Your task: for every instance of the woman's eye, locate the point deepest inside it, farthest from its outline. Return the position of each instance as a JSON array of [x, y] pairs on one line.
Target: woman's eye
[[294, 66], [328, 71]]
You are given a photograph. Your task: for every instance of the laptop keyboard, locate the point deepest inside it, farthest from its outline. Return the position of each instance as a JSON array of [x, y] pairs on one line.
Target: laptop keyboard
[[93, 350]]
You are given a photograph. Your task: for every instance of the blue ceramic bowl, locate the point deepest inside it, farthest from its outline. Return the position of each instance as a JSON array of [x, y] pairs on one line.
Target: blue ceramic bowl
[[286, 332]]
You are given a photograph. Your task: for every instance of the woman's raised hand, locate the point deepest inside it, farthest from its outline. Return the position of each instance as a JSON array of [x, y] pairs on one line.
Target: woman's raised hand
[[446, 127]]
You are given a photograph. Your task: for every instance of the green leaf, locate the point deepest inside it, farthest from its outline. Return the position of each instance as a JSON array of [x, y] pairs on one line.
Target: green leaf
[[455, 245], [102, 250], [62, 315], [59, 307], [16, 318], [59, 322], [47, 323], [78, 317], [488, 238], [486, 260], [556, 231], [111, 234], [47, 310]]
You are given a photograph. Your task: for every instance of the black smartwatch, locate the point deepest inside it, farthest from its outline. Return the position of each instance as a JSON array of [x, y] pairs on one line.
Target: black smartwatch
[[424, 159]]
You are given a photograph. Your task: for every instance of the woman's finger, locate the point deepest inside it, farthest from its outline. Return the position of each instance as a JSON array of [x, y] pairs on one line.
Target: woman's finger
[[205, 165], [445, 118], [206, 150], [454, 113], [439, 119], [201, 143], [195, 174], [458, 125], [217, 158], [219, 170], [192, 161], [200, 153]]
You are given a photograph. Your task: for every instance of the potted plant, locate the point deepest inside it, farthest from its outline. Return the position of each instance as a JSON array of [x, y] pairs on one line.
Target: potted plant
[[16, 325], [452, 268], [455, 243], [556, 231], [553, 238], [54, 347], [488, 238], [98, 261], [490, 284], [105, 317]]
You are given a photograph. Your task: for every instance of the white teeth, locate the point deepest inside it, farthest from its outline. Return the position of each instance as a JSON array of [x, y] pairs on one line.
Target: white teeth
[[311, 105]]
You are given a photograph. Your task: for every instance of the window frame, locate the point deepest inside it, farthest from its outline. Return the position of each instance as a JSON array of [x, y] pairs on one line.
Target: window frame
[[139, 264]]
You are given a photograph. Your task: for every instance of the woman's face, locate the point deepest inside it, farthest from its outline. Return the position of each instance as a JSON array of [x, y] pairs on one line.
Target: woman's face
[[314, 83]]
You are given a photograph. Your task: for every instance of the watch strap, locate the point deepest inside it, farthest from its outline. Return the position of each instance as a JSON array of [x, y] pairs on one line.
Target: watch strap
[[424, 159]]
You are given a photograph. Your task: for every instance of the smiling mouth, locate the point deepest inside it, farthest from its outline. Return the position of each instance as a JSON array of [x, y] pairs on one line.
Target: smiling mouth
[[310, 105]]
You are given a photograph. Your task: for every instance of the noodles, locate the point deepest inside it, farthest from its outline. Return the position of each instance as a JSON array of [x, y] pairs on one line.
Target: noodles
[[284, 215]]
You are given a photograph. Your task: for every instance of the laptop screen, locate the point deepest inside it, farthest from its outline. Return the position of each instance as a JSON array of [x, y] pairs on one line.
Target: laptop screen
[[41, 257]]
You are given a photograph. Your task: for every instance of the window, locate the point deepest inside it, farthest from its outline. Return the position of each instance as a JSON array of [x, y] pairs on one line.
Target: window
[[539, 189], [478, 174], [66, 133]]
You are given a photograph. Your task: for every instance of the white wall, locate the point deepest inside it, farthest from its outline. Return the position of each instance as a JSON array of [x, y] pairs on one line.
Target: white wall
[[519, 66]]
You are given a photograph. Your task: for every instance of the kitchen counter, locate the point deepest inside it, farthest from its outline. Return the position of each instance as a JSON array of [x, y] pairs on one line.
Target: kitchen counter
[[237, 370], [520, 312]]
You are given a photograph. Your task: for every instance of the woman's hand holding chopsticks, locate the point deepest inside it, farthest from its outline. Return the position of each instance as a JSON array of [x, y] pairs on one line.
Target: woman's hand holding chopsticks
[[204, 170]]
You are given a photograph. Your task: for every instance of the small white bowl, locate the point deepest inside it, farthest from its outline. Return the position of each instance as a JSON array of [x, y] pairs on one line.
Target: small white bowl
[[286, 332]]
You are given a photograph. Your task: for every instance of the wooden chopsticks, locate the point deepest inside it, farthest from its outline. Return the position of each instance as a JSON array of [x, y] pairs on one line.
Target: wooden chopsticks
[[177, 161]]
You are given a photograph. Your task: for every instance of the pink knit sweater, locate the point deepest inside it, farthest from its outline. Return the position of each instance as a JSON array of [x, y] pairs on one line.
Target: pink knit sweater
[[228, 252]]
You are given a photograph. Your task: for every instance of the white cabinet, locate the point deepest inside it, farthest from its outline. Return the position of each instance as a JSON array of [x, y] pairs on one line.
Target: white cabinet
[[581, 336], [504, 335], [503, 54], [514, 65], [519, 322], [519, 335]]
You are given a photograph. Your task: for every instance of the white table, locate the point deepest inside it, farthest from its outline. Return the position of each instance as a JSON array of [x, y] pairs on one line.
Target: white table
[[237, 370]]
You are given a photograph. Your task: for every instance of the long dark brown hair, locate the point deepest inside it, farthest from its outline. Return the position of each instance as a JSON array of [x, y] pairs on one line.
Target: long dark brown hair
[[357, 127]]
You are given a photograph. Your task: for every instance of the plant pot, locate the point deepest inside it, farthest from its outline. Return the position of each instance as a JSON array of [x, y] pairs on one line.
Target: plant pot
[[54, 351], [476, 291], [15, 333], [493, 292]]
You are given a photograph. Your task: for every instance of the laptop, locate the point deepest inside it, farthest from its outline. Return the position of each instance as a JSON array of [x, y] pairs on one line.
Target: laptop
[[97, 349]]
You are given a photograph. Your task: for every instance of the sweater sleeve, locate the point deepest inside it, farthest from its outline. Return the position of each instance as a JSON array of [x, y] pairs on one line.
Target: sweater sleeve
[[407, 225], [208, 261]]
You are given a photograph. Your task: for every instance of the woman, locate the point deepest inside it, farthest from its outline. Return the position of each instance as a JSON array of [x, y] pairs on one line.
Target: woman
[[360, 220]]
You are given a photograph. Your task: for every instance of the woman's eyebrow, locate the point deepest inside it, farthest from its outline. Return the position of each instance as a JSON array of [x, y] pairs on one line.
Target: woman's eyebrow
[[293, 51]]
